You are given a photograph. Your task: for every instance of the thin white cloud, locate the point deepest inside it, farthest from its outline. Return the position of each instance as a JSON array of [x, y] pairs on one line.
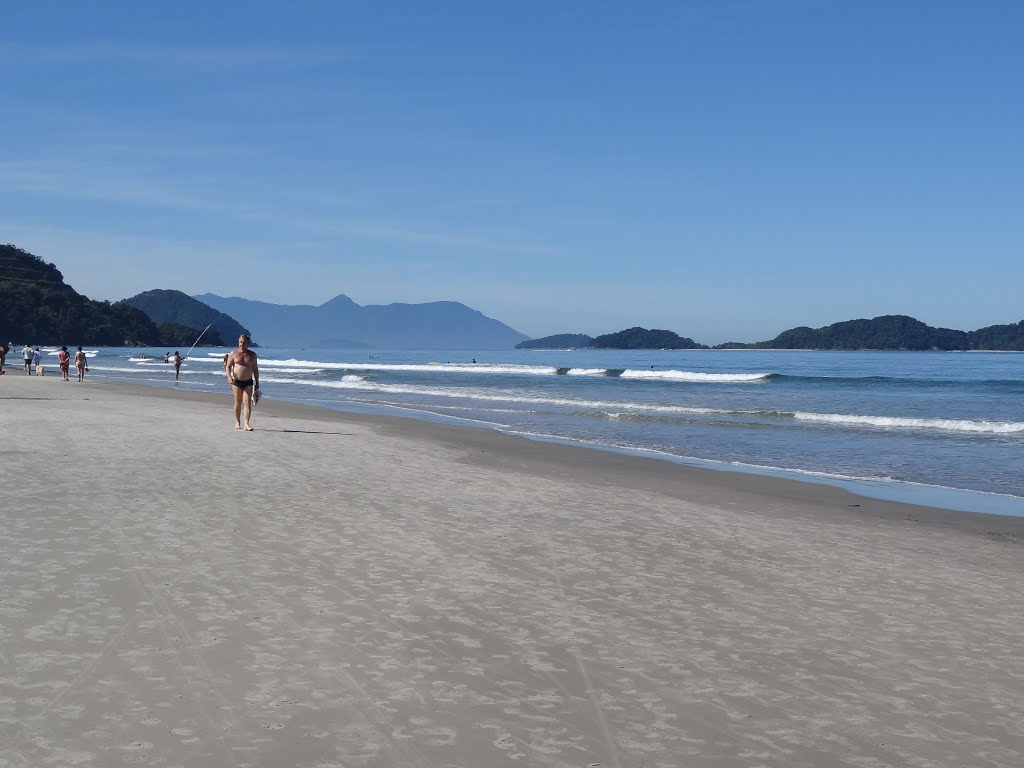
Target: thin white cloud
[[88, 182], [109, 183], [103, 265], [436, 238], [111, 265], [21, 54]]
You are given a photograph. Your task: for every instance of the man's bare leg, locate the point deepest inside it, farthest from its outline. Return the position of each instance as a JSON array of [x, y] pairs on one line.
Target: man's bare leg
[[238, 406], [248, 408]]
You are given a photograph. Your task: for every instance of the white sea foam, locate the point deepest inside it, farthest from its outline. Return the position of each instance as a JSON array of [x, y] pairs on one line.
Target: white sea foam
[[356, 382], [693, 376], [284, 370], [419, 367], [522, 370], [898, 422], [112, 369]]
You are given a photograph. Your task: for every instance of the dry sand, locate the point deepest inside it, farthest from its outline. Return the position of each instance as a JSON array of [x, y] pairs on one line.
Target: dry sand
[[337, 590]]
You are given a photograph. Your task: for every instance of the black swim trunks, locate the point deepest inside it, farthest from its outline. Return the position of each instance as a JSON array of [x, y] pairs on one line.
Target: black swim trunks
[[242, 384]]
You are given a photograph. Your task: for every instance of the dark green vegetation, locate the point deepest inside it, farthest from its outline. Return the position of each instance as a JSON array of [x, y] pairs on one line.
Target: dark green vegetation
[[37, 307], [888, 332], [558, 341], [893, 332], [177, 335], [181, 309], [999, 338], [641, 338]]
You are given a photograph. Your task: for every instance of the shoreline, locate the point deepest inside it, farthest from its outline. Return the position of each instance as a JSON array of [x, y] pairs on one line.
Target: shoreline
[[579, 454], [959, 500], [338, 589]]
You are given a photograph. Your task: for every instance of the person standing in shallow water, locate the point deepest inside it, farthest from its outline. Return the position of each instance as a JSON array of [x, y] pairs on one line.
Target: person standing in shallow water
[[244, 376], [80, 364], [177, 364]]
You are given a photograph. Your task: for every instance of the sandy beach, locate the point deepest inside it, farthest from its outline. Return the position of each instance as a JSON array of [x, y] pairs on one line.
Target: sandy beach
[[345, 590]]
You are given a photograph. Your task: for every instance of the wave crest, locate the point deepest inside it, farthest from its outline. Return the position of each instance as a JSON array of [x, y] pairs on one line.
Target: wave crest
[[900, 422]]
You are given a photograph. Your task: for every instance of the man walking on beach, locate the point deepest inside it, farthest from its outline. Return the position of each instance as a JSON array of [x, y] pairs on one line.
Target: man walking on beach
[[244, 376], [26, 354]]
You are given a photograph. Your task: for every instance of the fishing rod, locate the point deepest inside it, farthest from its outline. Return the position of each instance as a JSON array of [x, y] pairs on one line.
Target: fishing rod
[[197, 340]]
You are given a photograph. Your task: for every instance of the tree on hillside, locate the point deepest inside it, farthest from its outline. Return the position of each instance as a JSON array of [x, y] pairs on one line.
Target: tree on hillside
[[642, 338], [36, 306]]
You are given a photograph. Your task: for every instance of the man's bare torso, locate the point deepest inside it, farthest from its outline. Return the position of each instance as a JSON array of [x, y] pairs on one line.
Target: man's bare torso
[[240, 364]]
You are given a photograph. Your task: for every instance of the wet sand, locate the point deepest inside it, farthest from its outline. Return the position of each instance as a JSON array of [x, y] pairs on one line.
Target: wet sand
[[346, 590]]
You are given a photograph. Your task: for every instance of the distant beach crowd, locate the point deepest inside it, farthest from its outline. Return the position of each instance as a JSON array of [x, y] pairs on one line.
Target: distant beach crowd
[[32, 360]]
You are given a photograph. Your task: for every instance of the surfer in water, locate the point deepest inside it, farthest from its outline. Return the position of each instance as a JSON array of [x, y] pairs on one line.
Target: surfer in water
[[244, 375]]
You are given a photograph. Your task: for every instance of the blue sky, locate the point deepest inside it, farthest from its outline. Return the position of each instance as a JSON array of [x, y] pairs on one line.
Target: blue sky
[[725, 169]]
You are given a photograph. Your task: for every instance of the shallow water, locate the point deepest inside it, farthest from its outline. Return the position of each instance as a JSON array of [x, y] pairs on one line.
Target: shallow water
[[915, 426]]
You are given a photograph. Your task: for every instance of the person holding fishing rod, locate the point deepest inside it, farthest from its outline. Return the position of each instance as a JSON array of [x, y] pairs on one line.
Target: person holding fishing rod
[[178, 359]]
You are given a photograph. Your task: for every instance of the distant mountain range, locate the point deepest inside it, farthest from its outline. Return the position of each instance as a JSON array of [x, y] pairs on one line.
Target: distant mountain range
[[341, 322], [888, 332], [164, 306], [37, 306]]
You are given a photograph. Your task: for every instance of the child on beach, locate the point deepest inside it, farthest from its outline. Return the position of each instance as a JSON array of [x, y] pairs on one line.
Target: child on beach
[[37, 361]]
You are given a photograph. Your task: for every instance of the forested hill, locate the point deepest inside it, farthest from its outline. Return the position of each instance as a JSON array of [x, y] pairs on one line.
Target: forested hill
[[888, 332], [558, 341], [37, 307], [165, 306], [893, 332], [642, 338]]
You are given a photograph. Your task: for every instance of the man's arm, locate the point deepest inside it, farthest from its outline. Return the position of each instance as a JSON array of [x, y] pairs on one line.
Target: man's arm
[[255, 371]]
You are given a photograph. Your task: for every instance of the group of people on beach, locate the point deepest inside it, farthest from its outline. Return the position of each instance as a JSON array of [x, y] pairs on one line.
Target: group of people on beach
[[32, 357], [240, 367]]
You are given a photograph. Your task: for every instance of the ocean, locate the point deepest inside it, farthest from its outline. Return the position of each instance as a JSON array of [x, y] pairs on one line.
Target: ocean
[[944, 429]]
